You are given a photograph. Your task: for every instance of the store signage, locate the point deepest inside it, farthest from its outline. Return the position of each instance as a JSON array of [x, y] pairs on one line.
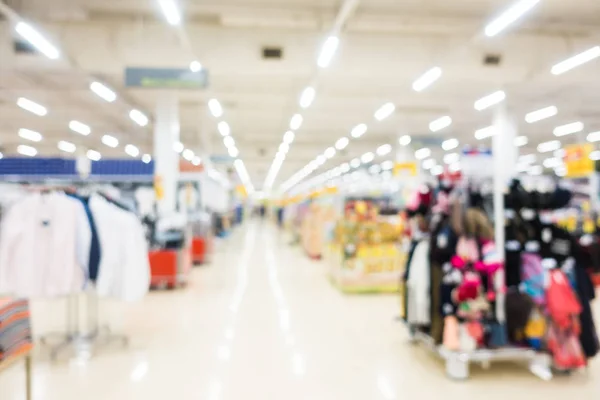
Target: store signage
[[577, 160], [409, 169], [165, 78]]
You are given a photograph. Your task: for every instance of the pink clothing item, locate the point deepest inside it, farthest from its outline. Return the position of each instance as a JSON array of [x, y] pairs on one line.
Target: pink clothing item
[[38, 247]]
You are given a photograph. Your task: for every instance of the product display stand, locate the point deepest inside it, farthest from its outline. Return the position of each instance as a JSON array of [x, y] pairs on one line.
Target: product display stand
[[458, 363], [83, 343], [26, 359]]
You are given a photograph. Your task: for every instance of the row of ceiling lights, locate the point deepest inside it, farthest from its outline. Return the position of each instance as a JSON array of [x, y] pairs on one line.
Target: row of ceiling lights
[[433, 74], [37, 40], [172, 14]]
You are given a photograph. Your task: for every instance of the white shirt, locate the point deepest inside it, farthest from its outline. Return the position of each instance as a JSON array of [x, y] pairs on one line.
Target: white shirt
[[124, 271], [38, 247]]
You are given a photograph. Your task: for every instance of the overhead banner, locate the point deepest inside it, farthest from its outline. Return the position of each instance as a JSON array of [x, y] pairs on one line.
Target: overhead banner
[[577, 160], [166, 78]]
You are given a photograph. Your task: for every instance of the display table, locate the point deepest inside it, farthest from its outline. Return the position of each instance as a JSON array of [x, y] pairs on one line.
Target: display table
[[372, 268]]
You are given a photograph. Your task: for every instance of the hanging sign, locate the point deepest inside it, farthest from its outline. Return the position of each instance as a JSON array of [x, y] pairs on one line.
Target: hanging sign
[[577, 160], [166, 78], [407, 168]]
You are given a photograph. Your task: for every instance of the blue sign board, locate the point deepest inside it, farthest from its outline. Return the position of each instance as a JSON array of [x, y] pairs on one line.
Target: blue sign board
[[166, 78]]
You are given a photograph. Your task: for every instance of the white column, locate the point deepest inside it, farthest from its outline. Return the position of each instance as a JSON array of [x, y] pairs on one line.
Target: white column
[[505, 155], [166, 160]]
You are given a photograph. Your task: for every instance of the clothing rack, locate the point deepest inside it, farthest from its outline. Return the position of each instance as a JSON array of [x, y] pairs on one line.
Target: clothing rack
[[82, 342]]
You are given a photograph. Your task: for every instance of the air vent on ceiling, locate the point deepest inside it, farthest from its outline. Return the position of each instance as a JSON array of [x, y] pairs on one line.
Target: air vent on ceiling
[[23, 47], [272, 53], [262, 152], [492, 60]]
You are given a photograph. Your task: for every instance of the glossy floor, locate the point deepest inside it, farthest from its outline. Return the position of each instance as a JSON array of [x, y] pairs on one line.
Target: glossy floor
[[262, 322]]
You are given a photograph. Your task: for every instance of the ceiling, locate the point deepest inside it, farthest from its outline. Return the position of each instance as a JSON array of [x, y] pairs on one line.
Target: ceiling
[[384, 46]]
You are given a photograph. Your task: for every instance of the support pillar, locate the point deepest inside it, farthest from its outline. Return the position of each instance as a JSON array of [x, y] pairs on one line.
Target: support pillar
[[505, 155], [166, 160]]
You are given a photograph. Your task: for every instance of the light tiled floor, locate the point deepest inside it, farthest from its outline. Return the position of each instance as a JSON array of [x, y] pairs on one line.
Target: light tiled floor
[[262, 322]]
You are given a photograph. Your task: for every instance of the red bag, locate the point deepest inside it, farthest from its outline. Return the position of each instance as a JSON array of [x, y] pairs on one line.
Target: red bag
[[561, 302]]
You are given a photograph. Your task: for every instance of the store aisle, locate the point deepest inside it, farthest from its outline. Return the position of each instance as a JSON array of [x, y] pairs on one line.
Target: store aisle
[[263, 322]]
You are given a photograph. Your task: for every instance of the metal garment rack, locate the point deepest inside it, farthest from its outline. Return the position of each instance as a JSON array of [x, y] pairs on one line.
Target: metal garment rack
[[458, 363], [82, 342]]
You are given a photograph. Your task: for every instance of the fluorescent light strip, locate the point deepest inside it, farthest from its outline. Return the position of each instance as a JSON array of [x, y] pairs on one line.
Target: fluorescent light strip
[[385, 111], [171, 11], [342, 143], [224, 128], [404, 140], [367, 158], [32, 106], [450, 144], [296, 122], [67, 147], [423, 153], [132, 150], [427, 79], [328, 51], [28, 33], [28, 134], [307, 97], [233, 151], [110, 141], [521, 141], [243, 173], [541, 114], [440, 123], [329, 153], [509, 16], [228, 141], [188, 154], [359, 130], [549, 146], [289, 137], [429, 163], [103, 91], [93, 155], [138, 117], [215, 108], [196, 161], [27, 150], [568, 129], [284, 148], [576, 61], [593, 137], [485, 133], [490, 100], [384, 150], [80, 128], [146, 158], [178, 147], [451, 158]]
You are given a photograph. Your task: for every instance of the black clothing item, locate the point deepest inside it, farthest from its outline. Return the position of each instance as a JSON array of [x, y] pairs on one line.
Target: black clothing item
[[586, 293], [411, 252]]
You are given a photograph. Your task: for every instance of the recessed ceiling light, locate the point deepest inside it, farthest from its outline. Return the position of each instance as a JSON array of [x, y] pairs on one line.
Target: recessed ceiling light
[[103, 91], [576, 61], [67, 147], [215, 108], [80, 128], [296, 122], [195, 66], [138, 117], [27, 150], [440, 123], [342, 143], [329, 152], [568, 129], [422, 154], [307, 97], [110, 141], [404, 140], [224, 128], [93, 155], [541, 114], [28, 134], [132, 150], [427, 79], [367, 157], [385, 111], [450, 144], [384, 150], [490, 100], [146, 158], [32, 106]]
